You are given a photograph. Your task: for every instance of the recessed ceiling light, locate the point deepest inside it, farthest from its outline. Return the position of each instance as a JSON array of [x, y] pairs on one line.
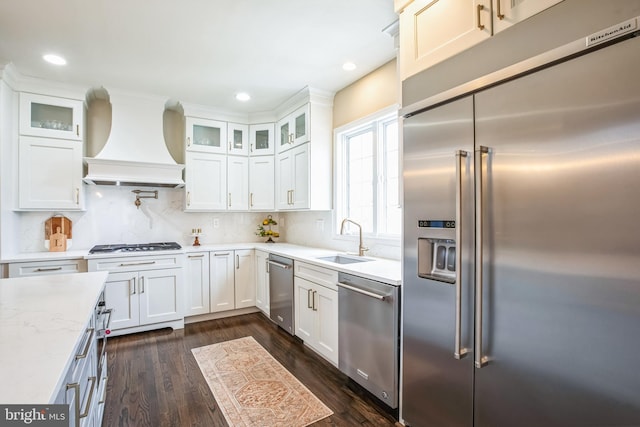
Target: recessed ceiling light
[[54, 59], [243, 96], [348, 66]]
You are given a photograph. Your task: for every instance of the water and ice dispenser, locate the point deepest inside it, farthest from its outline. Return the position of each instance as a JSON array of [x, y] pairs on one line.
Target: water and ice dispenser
[[437, 251]]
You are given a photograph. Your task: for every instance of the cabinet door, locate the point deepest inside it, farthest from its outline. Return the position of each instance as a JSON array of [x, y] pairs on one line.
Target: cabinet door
[[205, 135], [300, 190], [509, 12], [285, 137], [434, 30], [300, 125], [221, 282], [50, 174], [261, 139], [261, 183], [238, 183], [160, 293], [121, 294], [51, 117], [238, 137], [245, 286], [206, 182], [326, 306], [284, 180], [197, 286], [304, 313], [262, 281]]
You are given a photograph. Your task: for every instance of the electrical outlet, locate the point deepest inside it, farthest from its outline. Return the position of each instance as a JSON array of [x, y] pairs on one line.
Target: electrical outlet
[[216, 222]]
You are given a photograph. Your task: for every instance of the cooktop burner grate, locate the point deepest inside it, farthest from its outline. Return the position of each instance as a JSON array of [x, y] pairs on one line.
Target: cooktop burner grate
[[139, 247]]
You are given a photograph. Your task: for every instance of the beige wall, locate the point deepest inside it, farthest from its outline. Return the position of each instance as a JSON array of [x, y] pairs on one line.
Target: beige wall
[[373, 92]]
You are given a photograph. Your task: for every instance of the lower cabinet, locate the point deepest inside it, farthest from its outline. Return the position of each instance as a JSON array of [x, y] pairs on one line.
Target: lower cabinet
[[219, 281], [144, 293], [262, 282], [316, 309], [38, 268]]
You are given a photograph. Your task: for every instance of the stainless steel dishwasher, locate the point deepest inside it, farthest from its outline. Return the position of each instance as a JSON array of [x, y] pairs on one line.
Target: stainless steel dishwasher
[[281, 291], [369, 335]]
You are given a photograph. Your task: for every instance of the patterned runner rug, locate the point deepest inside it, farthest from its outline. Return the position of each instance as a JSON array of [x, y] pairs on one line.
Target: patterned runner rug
[[253, 389]]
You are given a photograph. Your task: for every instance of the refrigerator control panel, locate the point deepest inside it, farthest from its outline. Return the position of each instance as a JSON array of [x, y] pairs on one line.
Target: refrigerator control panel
[[436, 223], [437, 259]]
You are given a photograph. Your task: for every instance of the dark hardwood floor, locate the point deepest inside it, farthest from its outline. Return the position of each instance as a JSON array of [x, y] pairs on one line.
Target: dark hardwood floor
[[155, 381]]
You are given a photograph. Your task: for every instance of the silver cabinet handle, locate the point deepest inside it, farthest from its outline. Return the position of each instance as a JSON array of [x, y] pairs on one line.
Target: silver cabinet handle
[[229, 199], [237, 262], [188, 198], [266, 263], [48, 269], [87, 406], [142, 284], [459, 352], [313, 300], [87, 345], [77, 130], [309, 305], [221, 254], [134, 286], [362, 291], [196, 256], [279, 264], [77, 196], [251, 199], [108, 311], [129, 264], [76, 397], [188, 141], [104, 390], [480, 360]]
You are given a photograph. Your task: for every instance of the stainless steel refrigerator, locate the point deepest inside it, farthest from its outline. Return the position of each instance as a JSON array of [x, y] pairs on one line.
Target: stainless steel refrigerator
[[522, 245]]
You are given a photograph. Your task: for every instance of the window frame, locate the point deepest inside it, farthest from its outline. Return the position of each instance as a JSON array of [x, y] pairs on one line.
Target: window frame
[[375, 122]]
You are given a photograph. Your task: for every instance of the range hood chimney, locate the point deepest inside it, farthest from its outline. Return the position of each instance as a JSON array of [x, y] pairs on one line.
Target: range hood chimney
[[135, 152]]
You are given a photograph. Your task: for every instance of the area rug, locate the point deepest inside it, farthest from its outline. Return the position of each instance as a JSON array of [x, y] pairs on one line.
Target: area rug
[[253, 389]]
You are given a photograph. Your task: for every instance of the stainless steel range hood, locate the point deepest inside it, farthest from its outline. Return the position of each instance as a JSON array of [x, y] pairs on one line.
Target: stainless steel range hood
[[135, 152]]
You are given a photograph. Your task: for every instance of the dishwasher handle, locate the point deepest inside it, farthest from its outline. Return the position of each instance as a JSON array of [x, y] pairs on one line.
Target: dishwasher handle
[[279, 264], [362, 291]]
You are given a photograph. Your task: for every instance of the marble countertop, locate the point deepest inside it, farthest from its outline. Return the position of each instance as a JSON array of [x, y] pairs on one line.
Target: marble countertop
[[383, 270], [42, 320]]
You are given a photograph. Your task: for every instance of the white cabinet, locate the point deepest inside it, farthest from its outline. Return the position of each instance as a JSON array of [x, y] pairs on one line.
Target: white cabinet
[[262, 281], [431, 31], [204, 135], [261, 139], [222, 281], [50, 174], [293, 129], [292, 179], [509, 12], [434, 30], [238, 183], [51, 117], [38, 268], [144, 292], [197, 283], [205, 182], [261, 183], [238, 136], [316, 308], [245, 285]]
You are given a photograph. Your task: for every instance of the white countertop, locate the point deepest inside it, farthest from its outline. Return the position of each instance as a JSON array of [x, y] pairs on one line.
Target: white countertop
[[383, 270], [42, 320]]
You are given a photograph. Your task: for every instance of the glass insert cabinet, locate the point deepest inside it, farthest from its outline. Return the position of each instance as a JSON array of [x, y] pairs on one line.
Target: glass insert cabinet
[[206, 135], [261, 139], [293, 129], [52, 117]]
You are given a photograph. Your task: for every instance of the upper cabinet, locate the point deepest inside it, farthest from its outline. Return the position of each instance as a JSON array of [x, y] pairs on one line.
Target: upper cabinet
[[238, 136], [52, 117], [509, 12], [434, 30], [261, 139], [293, 129], [50, 153], [204, 135]]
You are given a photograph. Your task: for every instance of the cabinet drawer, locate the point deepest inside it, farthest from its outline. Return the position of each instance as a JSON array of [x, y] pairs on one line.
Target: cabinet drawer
[[37, 268], [140, 263], [320, 275]]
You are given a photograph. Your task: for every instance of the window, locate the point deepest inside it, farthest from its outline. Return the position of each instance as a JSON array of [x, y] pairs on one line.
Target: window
[[367, 175]]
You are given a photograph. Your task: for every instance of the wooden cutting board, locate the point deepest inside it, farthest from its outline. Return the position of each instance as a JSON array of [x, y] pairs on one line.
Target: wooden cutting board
[[57, 230]]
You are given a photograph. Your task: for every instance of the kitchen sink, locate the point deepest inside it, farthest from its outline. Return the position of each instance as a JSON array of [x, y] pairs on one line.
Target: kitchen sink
[[342, 259]]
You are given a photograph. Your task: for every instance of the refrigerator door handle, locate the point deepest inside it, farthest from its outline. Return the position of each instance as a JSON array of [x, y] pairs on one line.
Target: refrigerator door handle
[[459, 352], [480, 360]]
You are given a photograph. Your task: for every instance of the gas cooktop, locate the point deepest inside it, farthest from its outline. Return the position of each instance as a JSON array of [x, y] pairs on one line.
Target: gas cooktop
[[139, 247]]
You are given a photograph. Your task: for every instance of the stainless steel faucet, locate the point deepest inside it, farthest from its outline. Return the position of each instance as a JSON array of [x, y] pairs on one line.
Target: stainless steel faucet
[[361, 248]]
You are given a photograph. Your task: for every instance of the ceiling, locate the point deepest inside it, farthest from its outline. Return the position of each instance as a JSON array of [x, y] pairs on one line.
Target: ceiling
[[200, 51]]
